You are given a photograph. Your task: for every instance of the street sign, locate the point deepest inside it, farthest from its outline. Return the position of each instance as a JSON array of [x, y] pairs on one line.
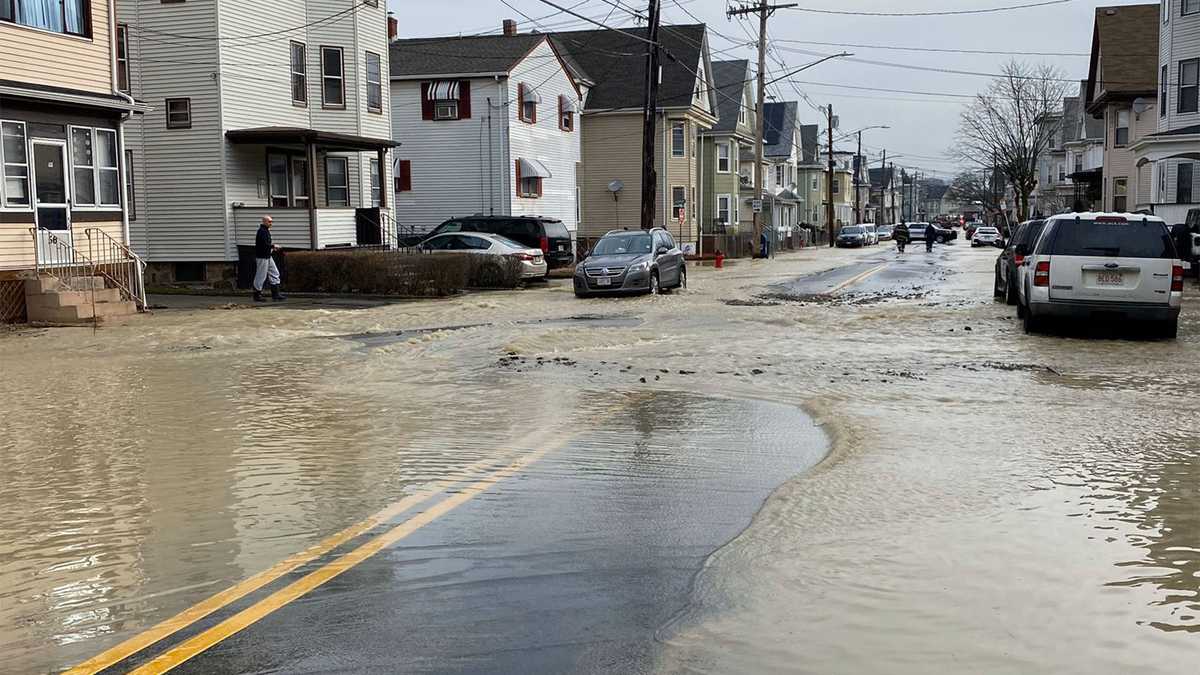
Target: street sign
[[756, 205]]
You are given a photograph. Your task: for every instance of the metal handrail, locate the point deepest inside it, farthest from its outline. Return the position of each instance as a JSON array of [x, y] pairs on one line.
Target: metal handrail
[[60, 260], [118, 264]]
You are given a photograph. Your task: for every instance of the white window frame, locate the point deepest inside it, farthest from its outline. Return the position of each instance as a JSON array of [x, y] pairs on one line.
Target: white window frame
[[340, 77], [330, 186], [778, 175], [375, 182], [97, 203], [728, 158], [681, 150], [298, 71], [377, 84], [728, 208], [4, 164], [446, 104]]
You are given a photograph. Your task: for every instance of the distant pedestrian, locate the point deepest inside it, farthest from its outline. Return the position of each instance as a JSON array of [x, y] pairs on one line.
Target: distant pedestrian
[[900, 235], [931, 233], [264, 265]]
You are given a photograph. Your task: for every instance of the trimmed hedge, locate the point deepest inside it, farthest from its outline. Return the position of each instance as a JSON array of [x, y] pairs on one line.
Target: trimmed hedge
[[391, 273]]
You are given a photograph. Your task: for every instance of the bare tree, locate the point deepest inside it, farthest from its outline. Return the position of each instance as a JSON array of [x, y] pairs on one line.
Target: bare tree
[[1003, 126], [975, 186]]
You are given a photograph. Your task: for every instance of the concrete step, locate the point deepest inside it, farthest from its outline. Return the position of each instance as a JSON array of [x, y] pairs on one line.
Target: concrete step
[[49, 284], [71, 298], [80, 313]]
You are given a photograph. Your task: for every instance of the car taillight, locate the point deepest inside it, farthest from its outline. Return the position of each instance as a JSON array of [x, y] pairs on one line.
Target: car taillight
[[544, 243], [1041, 274], [1018, 259], [522, 256], [1177, 279]]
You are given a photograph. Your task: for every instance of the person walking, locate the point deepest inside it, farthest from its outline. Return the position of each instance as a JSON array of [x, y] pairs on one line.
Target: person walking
[[264, 265], [900, 235], [931, 233]]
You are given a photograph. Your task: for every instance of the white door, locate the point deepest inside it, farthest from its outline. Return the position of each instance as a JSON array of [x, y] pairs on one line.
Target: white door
[[52, 204]]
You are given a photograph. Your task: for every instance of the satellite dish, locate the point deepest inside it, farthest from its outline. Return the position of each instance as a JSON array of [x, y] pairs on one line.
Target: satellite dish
[[616, 186], [1140, 105]]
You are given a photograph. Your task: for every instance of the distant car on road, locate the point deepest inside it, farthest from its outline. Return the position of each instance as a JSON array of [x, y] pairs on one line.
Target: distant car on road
[[916, 232], [987, 236], [883, 232], [549, 235], [631, 261], [872, 234], [1010, 264], [1090, 266], [533, 263], [851, 236]]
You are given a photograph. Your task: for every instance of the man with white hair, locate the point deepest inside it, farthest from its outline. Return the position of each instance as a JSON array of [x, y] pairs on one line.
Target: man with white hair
[[264, 266]]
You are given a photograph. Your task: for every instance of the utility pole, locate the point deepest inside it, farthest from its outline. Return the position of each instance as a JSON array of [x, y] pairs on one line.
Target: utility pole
[[764, 11], [884, 209], [891, 173], [829, 177], [857, 168], [649, 116]]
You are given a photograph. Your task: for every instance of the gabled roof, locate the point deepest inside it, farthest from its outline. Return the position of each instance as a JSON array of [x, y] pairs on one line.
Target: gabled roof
[[935, 190], [729, 77], [1124, 63], [881, 177], [1071, 119], [470, 55], [616, 64], [809, 142], [779, 128]]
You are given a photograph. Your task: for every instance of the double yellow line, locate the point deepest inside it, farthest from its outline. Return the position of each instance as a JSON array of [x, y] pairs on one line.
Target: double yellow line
[[197, 644]]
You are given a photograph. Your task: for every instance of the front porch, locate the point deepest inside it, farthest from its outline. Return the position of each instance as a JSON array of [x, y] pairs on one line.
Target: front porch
[[1163, 186]]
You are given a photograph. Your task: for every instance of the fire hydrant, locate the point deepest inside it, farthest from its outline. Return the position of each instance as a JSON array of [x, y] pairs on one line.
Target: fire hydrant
[[719, 260]]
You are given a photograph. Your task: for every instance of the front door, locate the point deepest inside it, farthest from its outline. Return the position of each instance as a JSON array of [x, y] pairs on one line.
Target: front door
[[50, 199]]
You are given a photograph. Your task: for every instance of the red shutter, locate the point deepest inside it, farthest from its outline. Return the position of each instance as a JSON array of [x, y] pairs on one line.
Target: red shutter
[[517, 162], [539, 186], [426, 104], [533, 117], [404, 180], [464, 100], [560, 114], [521, 101]]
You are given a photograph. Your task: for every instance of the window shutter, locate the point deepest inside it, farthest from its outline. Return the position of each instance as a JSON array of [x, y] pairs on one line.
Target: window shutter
[[560, 113], [533, 117], [517, 163], [521, 101], [464, 100], [405, 177], [539, 187], [426, 104]]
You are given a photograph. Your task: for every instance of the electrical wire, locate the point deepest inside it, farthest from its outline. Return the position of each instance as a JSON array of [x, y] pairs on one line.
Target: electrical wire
[[944, 50], [950, 12]]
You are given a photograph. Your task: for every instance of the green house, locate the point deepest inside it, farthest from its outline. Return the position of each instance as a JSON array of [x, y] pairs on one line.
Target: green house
[[721, 148]]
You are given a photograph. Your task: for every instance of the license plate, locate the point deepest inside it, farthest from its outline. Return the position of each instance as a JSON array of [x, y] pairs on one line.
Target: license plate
[[1110, 279], [604, 281], [562, 247]]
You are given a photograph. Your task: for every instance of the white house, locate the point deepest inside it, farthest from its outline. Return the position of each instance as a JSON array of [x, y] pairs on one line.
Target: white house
[[487, 125]]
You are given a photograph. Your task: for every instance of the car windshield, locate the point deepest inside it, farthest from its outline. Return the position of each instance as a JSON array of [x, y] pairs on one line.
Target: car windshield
[[556, 228], [852, 229], [509, 242], [1137, 239], [623, 244]]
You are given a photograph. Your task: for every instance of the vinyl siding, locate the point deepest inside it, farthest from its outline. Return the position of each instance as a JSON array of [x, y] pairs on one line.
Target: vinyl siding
[[16, 246], [82, 63], [716, 183], [1178, 40], [680, 172], [450, 159], [612, 150], [559, 150], [181, 189]]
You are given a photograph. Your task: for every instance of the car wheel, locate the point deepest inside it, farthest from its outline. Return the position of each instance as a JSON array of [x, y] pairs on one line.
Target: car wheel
[[997, 289], [1010, 294], [1169, 329], [654, 283], [1032, 324], [941, 239]]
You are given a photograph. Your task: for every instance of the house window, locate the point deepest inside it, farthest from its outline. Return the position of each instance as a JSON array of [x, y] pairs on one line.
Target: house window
[[299, 71], [779, 176], [298, 173], [723, 161], [566, 114], [179, 113], [95, 175], [1120, 190], [1078, 163], [13, 154], [837, 186], [723, 210], [333, 78], [337, 181], [1190, 7], [1162, 92], [1121, 135], [1062, 172], [376, 191], [122, 57], [73, 17], [404, 175], [278, 181], [1183, 184], [446, 100], [531, 187], [678, 201], [374, 83], [814, 184], [1188, 72], [527, 110], [678, 140], [1050, 143], [130, 198], [445, 110], [741, 114]]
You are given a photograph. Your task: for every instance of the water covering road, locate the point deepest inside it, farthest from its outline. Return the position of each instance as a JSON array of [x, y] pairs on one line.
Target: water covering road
[[990, 501]]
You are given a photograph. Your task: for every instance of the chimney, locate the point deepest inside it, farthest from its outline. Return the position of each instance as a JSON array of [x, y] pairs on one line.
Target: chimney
[[393, 27], [510, 27]]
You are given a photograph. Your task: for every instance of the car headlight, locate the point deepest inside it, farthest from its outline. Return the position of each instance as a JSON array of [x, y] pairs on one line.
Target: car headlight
[[643, 266]]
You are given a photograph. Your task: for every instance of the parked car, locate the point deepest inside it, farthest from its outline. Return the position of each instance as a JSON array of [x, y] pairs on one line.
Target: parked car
[[1011, 262], [872, 235], [1089, 266], [549, 235], [631, 261], [987, 236], [883, 232], [851, 236], [533, 263]]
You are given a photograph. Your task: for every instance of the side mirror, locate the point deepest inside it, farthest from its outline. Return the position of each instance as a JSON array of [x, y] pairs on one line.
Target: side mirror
[[662, 250]]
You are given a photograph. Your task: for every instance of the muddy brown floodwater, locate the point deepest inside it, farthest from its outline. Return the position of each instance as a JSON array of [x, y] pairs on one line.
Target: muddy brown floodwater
[[991, 502]]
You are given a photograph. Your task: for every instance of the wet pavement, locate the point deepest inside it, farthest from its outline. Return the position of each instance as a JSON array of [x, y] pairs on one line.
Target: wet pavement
[[833, 462]]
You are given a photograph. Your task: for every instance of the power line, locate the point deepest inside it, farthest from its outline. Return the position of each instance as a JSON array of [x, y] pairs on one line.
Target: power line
[[950, 12], [598, 23], [932, 49]]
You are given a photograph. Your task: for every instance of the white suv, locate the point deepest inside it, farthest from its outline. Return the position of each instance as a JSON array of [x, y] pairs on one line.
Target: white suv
[[1102, 265]]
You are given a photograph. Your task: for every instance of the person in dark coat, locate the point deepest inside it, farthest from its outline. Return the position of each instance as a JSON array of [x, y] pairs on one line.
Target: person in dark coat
[[931, 233], [265, 270], [900, 235]]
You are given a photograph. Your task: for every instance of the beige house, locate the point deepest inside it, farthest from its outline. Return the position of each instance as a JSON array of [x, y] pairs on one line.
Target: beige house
[[611, 65], [64, 221]]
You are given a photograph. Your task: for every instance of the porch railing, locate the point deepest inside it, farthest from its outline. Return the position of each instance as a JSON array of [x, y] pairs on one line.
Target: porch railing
[[57, 258], [118, 264]]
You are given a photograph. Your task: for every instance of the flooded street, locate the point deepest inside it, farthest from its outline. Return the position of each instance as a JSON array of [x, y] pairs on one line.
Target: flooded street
[[832, 462]]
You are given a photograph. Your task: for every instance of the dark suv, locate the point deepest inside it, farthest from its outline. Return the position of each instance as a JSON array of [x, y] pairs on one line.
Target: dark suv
[[548, 234], [1013, 257], [631, 261]]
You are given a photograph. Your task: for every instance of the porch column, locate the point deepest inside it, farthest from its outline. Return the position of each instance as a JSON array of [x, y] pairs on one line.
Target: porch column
[[311, 151], [384, 187]]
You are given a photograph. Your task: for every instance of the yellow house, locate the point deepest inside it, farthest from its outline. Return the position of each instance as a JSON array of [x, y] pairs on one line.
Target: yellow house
[[612, 66], [63, 219]]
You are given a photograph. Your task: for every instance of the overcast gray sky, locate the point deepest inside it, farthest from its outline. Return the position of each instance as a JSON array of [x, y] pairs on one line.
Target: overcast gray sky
[[922, 126]]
